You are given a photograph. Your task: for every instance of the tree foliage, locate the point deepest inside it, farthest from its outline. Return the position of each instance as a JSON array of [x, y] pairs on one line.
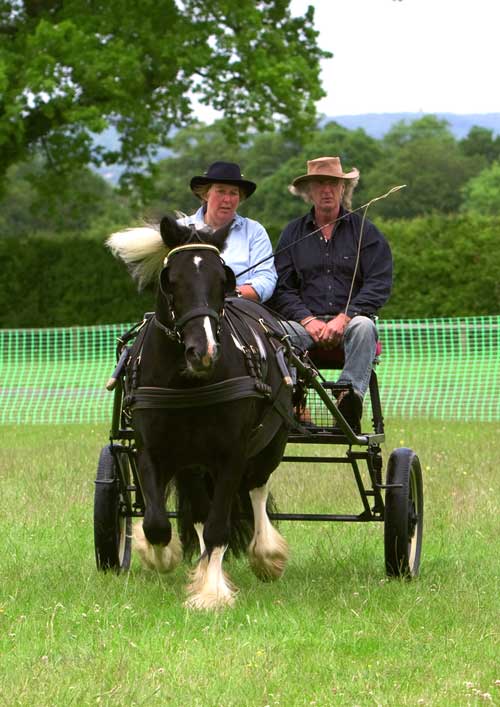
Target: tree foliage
[[481, 144], [440, 178], [72, 68], [78, 203], [481, 195], [425, 157]]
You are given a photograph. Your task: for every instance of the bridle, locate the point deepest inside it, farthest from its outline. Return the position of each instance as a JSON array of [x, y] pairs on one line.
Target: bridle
[[174, 330]]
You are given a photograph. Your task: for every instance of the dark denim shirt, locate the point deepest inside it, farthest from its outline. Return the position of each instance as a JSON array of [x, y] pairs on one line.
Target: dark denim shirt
[[315, 275]]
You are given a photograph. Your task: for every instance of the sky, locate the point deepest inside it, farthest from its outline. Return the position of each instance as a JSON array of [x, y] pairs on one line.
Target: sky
[[392, 56]]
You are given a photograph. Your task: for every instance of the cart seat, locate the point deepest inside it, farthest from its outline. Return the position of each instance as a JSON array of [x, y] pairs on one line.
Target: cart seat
[[331, 359]]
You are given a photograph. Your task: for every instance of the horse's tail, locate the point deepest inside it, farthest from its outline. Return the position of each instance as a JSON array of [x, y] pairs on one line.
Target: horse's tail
[[200, 486]]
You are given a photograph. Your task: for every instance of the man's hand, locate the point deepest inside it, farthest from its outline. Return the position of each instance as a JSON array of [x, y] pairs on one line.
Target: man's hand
[[314, 328], [333, 332]]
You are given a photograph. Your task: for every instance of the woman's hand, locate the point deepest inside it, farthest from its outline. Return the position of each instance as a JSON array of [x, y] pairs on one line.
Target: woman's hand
[[248, 292]]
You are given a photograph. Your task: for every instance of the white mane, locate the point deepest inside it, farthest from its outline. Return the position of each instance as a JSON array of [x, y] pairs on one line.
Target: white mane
[[142, 250]]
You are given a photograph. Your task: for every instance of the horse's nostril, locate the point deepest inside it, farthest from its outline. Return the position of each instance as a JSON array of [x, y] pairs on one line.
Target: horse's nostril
[[191, 354], [199, 361]]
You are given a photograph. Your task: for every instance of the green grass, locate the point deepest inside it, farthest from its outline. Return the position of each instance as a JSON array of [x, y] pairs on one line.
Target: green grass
[[333, 631]]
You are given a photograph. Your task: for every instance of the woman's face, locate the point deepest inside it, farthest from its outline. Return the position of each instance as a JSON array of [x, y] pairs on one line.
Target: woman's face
[[222, 202]]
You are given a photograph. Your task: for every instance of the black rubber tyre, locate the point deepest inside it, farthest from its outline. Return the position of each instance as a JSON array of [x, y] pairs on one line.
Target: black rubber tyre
[[112, 529], [404, 514]]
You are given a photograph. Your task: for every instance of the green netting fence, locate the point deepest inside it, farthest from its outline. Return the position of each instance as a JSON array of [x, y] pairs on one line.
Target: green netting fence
[[440, 368]]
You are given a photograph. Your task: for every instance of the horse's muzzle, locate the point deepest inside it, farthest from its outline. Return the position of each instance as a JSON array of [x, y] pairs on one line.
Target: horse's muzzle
[[201, 363]]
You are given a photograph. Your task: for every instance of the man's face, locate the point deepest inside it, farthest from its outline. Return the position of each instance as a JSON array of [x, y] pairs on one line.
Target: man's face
[[326, 193]]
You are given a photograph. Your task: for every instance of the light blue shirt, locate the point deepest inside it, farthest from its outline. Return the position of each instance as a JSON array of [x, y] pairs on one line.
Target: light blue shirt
[[247, 244]]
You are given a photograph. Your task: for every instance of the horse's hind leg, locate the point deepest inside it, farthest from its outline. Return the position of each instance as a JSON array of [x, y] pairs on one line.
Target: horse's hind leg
[[156, 545], [163, 558], [268, 550]]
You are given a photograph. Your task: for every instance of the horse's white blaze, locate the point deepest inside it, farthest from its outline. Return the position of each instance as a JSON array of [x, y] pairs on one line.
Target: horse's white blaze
[[197, 262], [209, 333], [210, 587], [268, 550], [163, 558]]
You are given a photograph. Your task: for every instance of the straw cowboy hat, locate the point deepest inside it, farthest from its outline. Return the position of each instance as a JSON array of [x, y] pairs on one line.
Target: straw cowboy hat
[[325, 167], [224, 173]]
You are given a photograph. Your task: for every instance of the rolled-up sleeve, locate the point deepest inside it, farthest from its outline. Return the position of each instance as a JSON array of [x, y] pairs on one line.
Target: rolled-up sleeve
[[262, 274]]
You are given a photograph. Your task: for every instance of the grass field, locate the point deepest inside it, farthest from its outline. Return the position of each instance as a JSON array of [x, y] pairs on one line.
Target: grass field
[[333, 631]]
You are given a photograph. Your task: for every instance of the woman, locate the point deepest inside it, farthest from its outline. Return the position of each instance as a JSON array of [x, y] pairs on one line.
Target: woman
[[221, 189]]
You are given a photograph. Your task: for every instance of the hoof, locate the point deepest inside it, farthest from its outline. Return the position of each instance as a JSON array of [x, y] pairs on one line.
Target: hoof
[[209, 587], [209, 602]]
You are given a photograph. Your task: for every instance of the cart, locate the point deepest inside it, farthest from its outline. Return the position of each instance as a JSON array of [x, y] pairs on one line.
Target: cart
[[394, 499]]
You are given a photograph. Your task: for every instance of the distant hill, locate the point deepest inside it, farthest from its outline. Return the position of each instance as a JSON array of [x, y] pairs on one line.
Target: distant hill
[[378, 124]]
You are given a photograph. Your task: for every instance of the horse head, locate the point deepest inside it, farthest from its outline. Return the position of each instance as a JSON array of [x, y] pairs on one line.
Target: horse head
[[193, 284]]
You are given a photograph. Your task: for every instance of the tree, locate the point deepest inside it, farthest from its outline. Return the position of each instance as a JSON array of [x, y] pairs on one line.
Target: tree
[[77, 204], [427, 159], [481, 144], [481, 194], [429, 126], [71, 68]]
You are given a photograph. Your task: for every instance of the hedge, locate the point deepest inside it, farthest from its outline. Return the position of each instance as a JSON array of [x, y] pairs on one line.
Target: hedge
[[65, 283], [444, 267]]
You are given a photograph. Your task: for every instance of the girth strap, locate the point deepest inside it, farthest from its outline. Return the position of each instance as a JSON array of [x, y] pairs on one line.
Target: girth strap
[[145, 397]]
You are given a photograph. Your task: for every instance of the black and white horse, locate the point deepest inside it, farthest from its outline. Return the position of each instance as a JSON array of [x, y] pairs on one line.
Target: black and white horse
[[209, 405]]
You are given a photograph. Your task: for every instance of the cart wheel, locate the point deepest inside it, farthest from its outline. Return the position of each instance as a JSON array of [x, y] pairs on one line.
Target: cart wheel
[[112, 529], [404, 514]]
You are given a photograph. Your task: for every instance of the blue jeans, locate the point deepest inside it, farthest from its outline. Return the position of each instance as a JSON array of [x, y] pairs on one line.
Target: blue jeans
[[359, 343]]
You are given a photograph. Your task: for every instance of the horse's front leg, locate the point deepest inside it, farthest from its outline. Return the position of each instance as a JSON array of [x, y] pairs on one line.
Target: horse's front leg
[[268, 550], [156, 545], [210, 587]]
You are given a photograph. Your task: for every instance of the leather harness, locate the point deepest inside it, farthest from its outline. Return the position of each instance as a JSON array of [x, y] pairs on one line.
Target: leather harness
[[236, 314]]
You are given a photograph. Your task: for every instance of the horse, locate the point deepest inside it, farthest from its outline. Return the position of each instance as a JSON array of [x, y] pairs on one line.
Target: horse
[[210, 404]]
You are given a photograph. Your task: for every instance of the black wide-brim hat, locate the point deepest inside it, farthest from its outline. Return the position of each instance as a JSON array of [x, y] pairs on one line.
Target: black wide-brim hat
[[224, 173]]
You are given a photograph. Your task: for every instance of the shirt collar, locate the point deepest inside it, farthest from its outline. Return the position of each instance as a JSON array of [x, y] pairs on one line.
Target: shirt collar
[[342, 213], [197, 219]]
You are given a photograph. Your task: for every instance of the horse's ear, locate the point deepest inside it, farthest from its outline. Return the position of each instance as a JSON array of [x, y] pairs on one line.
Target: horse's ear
[[230, 284], [172, 233]]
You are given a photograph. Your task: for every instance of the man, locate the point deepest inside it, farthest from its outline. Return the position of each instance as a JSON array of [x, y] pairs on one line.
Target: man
[[334, 281]]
